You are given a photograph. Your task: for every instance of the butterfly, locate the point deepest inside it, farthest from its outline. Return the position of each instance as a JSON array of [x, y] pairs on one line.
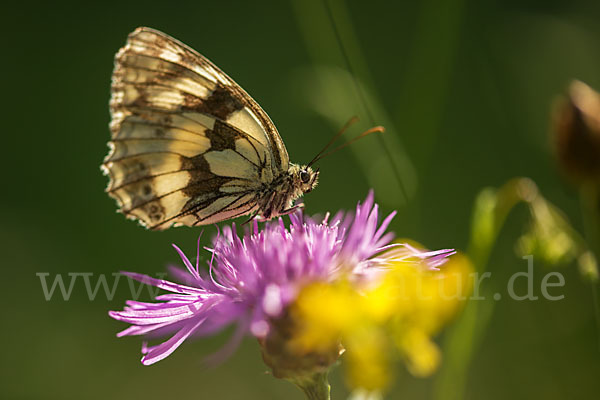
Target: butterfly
[[188, 145]]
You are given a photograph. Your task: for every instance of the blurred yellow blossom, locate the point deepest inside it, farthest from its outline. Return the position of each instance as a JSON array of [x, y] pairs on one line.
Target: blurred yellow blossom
[[550, 236], [379, 322]]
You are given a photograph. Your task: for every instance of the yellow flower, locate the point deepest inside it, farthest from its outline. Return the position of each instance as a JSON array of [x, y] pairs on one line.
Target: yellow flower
[[393, 318], [323, 312], [368, 361]]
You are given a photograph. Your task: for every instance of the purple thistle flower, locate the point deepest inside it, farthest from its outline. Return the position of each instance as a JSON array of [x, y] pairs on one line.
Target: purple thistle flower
[[252, 279]]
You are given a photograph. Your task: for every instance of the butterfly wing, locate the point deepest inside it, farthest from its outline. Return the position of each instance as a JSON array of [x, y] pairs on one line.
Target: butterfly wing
[[189, 146]]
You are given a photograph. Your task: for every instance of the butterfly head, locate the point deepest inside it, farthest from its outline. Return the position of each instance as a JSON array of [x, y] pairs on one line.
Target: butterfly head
[[304, 178]]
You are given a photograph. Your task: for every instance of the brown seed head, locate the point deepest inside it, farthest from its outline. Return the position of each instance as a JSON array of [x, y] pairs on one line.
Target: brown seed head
[[577, 133]]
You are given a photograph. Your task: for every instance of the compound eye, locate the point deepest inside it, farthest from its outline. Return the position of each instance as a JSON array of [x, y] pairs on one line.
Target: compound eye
[[304, 176]]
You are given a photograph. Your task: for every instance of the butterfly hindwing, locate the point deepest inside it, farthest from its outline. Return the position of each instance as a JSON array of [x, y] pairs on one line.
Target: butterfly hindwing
[[223, 98], [188, 146]]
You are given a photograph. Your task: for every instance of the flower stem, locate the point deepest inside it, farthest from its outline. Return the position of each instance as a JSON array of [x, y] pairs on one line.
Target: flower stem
[[596, 302], [590, 201], [490, 212], [315, 387]]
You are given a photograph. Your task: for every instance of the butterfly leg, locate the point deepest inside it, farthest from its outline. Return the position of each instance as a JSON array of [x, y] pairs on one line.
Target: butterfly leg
[[284, 212], [291, 209], [254, 214]]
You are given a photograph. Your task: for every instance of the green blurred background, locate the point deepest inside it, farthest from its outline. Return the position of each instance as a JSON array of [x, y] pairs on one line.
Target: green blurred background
[[464, 88]]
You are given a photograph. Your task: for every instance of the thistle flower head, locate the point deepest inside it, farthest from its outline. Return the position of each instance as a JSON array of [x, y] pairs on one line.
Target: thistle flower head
[[251, 279], [305, 291]]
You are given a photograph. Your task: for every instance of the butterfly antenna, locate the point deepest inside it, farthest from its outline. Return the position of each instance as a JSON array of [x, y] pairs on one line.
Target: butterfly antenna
[[347, 125], [362, 135]]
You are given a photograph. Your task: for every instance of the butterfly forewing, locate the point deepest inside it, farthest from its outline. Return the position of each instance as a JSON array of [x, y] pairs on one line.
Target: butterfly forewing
[[189, 146]]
